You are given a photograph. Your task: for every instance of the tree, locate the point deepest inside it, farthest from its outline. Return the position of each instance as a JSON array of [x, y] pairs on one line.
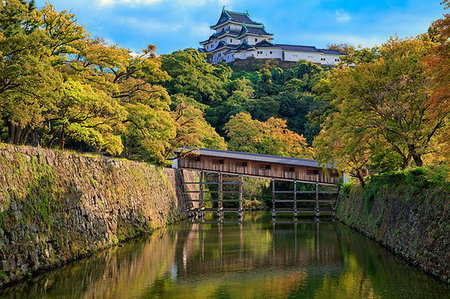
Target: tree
[[344, 48], [438, 64], [270, 137], [192, 76], [27, 78], [379, 114], [88, 115]]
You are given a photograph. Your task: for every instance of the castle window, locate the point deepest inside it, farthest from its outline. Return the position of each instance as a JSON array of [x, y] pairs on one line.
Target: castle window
[[231, 40], [270, 52], [336, 60], [323, 59], [256, 39]]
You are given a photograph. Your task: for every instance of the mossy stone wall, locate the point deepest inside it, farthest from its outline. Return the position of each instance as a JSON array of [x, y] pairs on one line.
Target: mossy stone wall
[[56, 206], [414, 225]]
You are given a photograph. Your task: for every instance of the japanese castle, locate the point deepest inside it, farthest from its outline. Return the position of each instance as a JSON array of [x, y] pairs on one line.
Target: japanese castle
[[239, 37]]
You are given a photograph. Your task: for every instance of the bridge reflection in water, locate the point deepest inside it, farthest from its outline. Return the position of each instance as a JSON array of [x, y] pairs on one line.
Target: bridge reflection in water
[[256, 257], [241, 257]]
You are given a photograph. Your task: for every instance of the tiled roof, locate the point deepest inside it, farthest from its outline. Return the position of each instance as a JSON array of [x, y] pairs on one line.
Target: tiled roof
[[297, 48], [219, 34], [265, 44], [253, 30], [256, 157], [238, 17], [328, 51], [243, 46], [221, 44]]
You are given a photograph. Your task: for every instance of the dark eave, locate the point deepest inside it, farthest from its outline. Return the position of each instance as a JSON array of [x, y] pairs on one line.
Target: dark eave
[[297, 48], [243, 46], [332, 52], [235, 17], [265, 44]]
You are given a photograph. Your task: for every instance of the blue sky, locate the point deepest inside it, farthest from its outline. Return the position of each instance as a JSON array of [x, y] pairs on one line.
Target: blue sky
[[177, 24]]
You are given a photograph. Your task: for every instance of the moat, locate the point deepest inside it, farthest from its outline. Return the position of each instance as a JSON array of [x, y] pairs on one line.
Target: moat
[[255, 258]]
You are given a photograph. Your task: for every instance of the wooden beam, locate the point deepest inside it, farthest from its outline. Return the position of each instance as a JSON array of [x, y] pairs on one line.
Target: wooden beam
[[317, 201], [240, 196], [295, 204], [201, 204]]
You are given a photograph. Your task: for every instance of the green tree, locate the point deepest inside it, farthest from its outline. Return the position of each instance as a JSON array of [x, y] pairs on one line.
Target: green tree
[[380, 116], [192, 76]]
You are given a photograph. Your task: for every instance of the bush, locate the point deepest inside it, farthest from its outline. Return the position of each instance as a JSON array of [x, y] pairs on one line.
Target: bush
[[412, 182]]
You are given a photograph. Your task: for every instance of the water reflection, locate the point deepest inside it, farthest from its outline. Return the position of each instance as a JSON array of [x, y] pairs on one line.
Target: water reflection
[[256, 258]]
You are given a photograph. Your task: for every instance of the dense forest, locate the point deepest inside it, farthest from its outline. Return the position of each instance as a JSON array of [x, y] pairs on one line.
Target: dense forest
[[384, 108]]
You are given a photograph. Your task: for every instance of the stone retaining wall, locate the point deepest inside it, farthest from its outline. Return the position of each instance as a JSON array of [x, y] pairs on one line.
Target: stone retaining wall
[[416, 229], [57, 206]]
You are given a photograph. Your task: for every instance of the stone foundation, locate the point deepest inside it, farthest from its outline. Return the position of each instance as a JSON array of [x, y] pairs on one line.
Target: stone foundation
[[57, 206]]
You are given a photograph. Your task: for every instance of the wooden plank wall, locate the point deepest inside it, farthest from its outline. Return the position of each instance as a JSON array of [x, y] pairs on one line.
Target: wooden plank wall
[[263, 169]]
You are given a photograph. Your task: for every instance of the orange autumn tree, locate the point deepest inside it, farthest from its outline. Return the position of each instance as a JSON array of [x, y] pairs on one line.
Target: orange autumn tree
[[271, 137], [438, 64]]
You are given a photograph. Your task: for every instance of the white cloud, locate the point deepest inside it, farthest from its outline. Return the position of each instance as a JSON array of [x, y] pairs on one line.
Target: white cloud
[[342, 16], [183, 3], [200, 30]]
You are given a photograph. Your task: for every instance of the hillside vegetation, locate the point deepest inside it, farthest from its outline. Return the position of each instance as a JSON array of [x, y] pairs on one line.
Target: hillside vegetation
[[384, 108]]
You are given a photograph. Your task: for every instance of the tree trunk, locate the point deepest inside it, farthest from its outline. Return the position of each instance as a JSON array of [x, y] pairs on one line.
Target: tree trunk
[[62, 141], [415, 156], [418, 159], [14, 132], [360, 177]]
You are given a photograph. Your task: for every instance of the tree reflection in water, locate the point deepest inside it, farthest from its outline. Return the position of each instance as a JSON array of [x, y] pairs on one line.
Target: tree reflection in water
[[256, 258]]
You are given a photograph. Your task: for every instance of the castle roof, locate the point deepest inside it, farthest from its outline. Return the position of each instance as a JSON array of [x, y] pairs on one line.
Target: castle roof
[[221, 33], [265, 44], [244, 46], [238, 17], [258, 30], [329, 51], [297, 48]]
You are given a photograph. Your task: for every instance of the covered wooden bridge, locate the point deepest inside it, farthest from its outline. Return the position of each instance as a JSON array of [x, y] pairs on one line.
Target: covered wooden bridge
[[229, 167]]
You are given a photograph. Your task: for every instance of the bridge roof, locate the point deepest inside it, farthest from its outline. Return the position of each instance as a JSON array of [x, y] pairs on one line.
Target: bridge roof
[[256, 157]]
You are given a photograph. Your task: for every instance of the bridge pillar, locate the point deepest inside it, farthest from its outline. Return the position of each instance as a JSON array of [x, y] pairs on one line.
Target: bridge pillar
[[317, 213], [295, 199], [201, 204], [273, 198], [240, 197], [220, 195]]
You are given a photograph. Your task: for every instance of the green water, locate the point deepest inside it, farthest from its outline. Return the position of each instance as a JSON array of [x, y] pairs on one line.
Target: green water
[[256, 258]]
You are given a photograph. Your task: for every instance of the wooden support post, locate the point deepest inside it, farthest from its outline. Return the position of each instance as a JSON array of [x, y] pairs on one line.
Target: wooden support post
[[201, 204], [240, 197], [220, 195], [295, 199], [317, 214], [273, 198]]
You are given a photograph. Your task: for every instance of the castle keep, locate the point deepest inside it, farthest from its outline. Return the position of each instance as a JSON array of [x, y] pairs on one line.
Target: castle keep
[[237, 36]]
